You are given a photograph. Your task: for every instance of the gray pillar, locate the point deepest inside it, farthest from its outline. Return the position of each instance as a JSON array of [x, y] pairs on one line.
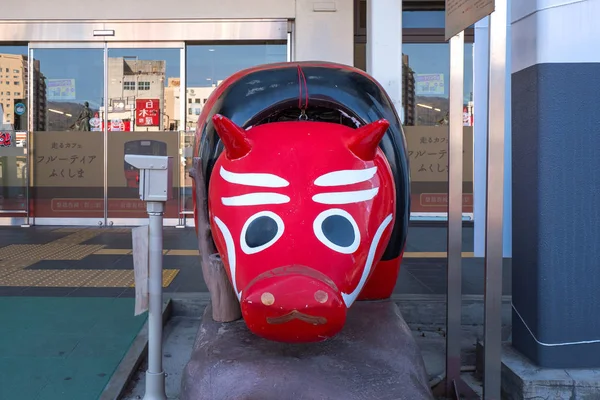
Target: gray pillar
[[556, 183]]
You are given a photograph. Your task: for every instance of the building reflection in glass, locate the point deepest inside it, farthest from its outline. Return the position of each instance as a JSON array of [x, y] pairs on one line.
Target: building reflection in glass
[[136, 95]]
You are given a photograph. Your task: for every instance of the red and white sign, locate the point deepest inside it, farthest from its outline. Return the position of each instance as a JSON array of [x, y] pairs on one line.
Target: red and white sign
[[147, 112], [118, 125], [467, 116]]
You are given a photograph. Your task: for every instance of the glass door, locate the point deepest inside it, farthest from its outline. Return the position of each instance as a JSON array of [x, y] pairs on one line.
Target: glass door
[[207, 65], [14, 104], [96, 102], [67, 140], [143, 116], [426, 101]]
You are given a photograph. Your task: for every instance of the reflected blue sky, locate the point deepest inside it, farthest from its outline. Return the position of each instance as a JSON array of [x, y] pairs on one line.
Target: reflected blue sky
[[434, 58], [424, 19], [210, 63]]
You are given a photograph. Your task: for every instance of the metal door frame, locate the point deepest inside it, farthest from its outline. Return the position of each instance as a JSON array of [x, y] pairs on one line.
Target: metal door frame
[[22, 217]]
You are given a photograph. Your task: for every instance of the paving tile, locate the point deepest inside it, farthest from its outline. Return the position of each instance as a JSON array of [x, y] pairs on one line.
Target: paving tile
[[128, 293], [47, 291], [26, 277], [25, 386], [32, 235], [176, 252], [69, 278], [21, 251], [407, 284], [75, 252], [113, 251], [12, 290], [6, 271], [79, 378], [62, 348], [95, 292], [101, 345], [39, 344], [54, 264]]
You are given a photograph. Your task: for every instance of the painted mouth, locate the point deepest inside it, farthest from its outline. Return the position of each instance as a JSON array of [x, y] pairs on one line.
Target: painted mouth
[[311, 319]]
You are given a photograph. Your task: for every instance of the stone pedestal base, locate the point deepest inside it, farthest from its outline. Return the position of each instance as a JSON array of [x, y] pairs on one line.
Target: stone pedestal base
[[521, 380], [374, 357]]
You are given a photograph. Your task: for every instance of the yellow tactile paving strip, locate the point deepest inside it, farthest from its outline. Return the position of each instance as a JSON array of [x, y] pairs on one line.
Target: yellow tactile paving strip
[[75, 252], [182, 252], [113, 252], [77, 278], [15, 258], [7, 269], [50, 251], [16, 264], [21, 251]]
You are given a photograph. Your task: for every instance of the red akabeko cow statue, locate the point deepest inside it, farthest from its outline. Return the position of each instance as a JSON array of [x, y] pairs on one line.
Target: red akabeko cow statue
[[308, 202], [300, 223]]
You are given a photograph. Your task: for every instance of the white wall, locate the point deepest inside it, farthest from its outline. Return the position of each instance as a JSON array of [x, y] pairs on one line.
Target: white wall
[[146, 9], [480, 98], [555, 31], [384, 47], [322, 35]]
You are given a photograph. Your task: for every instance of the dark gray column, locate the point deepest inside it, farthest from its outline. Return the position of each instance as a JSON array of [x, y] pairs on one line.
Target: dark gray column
[[556, 186]]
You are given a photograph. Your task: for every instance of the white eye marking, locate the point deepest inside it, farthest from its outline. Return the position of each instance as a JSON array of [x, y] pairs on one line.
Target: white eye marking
[[350, 298], [355, 196], [230, 253], [336, 229], [253, 179], [254, 199], [346, 177], [261, 231]]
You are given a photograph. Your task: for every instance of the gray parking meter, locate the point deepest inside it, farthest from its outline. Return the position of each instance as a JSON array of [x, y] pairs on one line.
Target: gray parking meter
[[156, 187]]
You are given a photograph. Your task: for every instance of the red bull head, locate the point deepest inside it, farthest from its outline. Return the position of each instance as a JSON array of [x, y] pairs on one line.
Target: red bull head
[[301, 213]]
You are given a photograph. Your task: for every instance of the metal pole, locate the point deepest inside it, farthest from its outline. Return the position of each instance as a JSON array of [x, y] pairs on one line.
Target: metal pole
[[182, 131], [494, 203], [455, 194], [105, 135], [155, 376], [32, 86]]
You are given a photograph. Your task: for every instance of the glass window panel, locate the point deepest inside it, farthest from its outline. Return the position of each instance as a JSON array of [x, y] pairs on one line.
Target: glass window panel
[[68, 142], [425, 96], [143, 118], [207, 66], [426, 72], [13, 132]]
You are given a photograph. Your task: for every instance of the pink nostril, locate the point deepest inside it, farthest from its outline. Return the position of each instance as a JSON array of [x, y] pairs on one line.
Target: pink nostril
[[268, 299], [321, 296]]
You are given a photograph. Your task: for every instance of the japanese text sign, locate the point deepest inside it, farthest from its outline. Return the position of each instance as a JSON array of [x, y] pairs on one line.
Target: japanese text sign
[[428, 153], [147, 112], [68, 159]]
